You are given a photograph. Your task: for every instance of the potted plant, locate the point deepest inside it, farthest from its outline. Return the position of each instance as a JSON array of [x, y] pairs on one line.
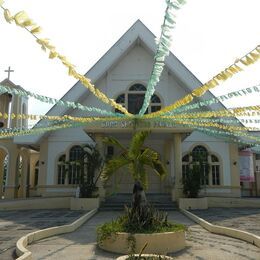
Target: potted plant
[[196, 174], [140, 223]]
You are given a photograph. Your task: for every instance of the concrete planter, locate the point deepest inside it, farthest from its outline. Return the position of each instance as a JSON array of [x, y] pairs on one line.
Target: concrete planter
[[163, 257], [157, 243], [84, 203], [193, 203]]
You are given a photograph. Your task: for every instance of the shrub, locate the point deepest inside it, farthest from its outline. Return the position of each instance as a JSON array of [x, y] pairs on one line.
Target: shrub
[[143, 220]]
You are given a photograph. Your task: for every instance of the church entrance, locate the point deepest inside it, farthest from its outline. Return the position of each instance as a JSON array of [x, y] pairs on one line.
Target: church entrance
[[122, 181]]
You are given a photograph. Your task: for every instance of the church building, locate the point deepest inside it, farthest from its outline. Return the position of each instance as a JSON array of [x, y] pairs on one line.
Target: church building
[[33, 165]]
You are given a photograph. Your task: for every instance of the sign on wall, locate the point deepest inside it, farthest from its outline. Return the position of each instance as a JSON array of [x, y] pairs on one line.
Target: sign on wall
[[246, 166]]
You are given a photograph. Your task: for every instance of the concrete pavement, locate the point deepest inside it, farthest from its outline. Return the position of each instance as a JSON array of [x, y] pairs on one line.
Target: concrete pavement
[[201, 244], [17, 223]]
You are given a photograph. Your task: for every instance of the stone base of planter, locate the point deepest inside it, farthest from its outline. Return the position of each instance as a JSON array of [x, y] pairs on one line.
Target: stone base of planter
[[84, 203], [193, 203], [125, 257], [157, 243]]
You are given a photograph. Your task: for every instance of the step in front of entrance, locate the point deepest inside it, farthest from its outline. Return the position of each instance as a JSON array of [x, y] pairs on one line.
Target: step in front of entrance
[[119, 201]]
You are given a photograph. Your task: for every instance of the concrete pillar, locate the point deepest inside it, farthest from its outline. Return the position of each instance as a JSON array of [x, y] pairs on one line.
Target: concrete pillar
[[43, 166], [177, 165], [234, 170], [5, 99], [24, 177], [16, 110], [11, 187], [101, 147]]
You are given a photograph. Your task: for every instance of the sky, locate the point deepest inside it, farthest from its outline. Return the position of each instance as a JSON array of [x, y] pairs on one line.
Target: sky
[[209, 36]]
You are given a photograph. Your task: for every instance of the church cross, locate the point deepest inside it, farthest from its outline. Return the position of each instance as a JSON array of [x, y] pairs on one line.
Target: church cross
[[9, 71]]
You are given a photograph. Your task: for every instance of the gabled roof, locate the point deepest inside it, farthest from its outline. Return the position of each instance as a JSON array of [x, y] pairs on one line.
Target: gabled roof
[[7, 82], [138, 31]]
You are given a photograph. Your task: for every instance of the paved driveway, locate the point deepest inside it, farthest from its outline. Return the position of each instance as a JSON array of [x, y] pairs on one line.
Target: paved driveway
[[201, 245], [247, 219], [16, 223]]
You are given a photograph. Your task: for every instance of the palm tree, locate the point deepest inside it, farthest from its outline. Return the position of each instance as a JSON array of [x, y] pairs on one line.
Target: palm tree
[[136, 158]]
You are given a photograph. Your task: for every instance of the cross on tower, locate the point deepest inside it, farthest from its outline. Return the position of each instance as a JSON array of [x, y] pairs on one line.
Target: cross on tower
[[9, 71]]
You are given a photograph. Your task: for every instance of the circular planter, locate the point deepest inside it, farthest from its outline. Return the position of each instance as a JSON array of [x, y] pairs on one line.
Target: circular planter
[[157, 243], [163, 257]]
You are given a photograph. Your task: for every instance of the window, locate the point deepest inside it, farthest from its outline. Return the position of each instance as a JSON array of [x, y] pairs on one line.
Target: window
[[76, 155], [185, 165], [257, 156], [200, 154], [61, 169], [215, 170], [36, 173], [133, 100]]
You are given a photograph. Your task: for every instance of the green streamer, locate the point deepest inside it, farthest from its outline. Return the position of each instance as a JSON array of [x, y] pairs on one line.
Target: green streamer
[[53, 101], [162, 51], [238, 93]]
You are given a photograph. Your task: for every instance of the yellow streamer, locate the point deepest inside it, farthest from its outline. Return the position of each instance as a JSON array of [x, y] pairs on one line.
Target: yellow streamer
[[21, 19], [247, 60], [233, 112], [238, 131]]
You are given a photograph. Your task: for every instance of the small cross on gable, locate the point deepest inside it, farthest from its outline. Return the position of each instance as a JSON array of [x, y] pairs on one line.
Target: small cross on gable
[[9, 71]]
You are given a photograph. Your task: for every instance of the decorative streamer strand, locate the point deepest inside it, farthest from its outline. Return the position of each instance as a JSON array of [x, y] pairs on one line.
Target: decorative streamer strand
[[234, 94], [235, 68], [21, 19], [64, 118], [162, 51], [53, 101], [230, 112], [234, 131]]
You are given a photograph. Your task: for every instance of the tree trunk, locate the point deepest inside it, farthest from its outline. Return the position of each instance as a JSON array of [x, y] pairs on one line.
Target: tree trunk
[[139, 198]]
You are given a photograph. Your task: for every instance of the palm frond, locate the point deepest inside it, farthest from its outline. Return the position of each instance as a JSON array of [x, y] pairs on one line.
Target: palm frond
[[159, 168], [148, 155], [137, 143], [112, 166], [113, 141]]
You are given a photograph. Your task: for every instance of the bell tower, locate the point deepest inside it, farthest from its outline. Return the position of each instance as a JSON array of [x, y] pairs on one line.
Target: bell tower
[[10, 103]]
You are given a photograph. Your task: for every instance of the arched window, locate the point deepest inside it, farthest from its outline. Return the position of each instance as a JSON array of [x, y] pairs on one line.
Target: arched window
[[19, 171], [5, 171], [36, 173], [210, 164], [75, 156], [133, 100], [215, 170], [62, 169], [200, 154]]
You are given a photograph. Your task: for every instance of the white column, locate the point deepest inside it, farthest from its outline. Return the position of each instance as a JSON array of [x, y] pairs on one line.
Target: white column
[[11, 186], [100, 146], [177, 165]]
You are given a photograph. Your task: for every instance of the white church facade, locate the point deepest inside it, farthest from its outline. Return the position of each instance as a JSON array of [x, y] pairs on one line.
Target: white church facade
[[122, 74]]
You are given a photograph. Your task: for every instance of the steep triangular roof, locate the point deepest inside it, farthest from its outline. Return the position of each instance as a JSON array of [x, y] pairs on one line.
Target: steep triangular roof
[[137, 32]]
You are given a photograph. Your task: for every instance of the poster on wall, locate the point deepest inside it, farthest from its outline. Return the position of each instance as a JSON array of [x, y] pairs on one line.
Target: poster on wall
[[246, 166]]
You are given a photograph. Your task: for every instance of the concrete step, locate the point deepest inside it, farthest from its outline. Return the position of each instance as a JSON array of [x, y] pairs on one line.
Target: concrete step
[[117, 202]]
